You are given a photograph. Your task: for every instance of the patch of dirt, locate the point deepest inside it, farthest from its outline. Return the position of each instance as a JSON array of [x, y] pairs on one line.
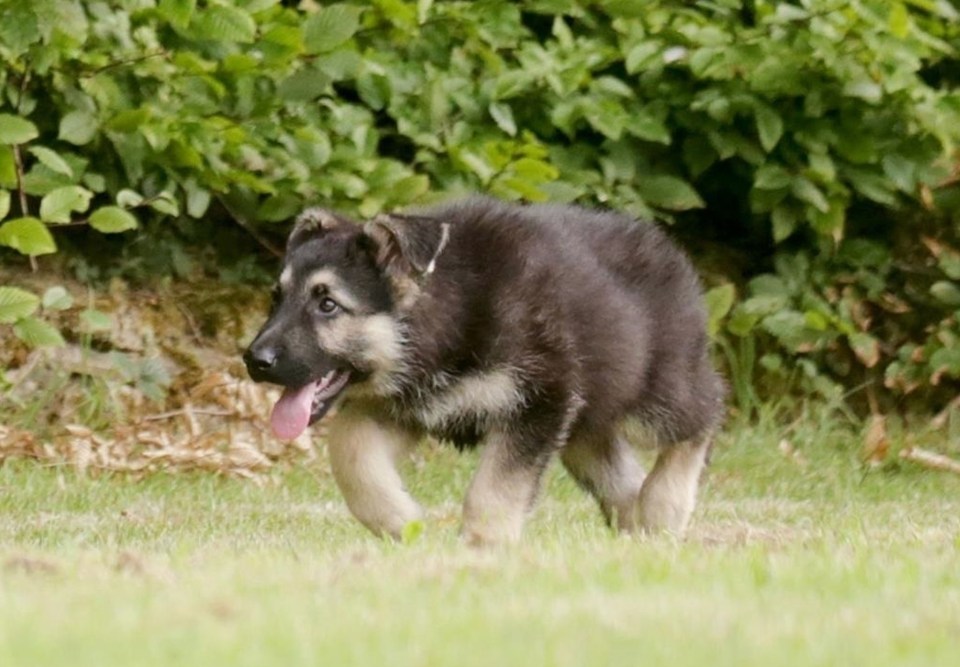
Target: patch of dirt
[[159, 385]]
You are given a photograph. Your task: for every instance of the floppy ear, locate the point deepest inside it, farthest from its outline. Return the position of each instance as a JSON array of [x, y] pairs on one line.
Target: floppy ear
[[313, 223], [407, 244]]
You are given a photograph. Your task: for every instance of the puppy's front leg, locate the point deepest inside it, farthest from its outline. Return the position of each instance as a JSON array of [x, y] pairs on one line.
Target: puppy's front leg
[[364, 453]]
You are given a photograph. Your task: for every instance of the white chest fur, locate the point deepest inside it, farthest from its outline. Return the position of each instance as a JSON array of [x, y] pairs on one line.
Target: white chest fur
[[484, 397]]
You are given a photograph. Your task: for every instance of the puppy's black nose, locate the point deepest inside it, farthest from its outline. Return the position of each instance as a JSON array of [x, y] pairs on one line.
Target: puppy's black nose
[[260, 359]]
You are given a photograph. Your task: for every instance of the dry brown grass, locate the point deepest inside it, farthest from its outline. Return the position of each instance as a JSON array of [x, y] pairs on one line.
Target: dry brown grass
[[75, 405]]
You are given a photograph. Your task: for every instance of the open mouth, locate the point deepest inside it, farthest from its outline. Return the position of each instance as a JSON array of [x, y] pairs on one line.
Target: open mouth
[[298, 407]]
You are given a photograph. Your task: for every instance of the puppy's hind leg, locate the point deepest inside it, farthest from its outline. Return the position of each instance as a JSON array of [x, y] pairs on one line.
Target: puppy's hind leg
[[605, 465], [364, 453], [669, 494]]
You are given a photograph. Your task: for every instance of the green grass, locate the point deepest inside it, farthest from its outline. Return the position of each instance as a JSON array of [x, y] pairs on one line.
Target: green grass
[[788, 562]]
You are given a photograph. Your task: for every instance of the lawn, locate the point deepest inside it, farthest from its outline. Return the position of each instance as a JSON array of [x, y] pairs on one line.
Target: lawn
[[796, 556]]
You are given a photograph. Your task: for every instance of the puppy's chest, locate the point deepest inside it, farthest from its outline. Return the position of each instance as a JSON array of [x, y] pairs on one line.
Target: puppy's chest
[[463, 408]]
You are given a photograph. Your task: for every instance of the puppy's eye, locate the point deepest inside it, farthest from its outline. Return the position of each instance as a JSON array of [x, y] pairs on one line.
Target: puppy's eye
[[328, 306]]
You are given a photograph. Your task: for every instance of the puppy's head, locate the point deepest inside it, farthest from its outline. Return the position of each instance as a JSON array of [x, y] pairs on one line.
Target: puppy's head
[[334, 320]]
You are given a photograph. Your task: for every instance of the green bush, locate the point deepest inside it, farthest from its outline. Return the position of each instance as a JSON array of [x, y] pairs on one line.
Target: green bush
[[810, 139]]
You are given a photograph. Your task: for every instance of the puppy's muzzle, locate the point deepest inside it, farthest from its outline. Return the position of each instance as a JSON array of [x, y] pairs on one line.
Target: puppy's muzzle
[[261, 361]]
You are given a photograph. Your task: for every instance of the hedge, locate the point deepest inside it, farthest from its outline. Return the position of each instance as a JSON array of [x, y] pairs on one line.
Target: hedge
[[809, 147]]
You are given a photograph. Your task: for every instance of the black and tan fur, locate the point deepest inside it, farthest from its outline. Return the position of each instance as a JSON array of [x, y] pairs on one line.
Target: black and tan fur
[[532, 331]]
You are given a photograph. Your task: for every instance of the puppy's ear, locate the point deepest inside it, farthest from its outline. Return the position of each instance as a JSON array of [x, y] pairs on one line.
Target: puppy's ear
[[313, 223], [407, 244]]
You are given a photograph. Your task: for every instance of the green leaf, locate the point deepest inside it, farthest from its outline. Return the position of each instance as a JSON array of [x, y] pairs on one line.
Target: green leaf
[[872, 185], [649, 128], [18, 29], [864, 253], [16, 303], [946, 292], [719, 301], [330, 27], [822, 166], [128, 198], [608, 117], [198, 199], [290, 37], [669, 192], [129, 120], [857, 145], [96, 182], [60, 203], [52, 160], [772, 177], [8, 166], [949, 263], [412, 531], [178, 12], [78, 127], [830, 222], [816, 320], [303, 85], [112, 219], [16, 130], [224, 23], [946, 361], [769, 127], [37, 333], [511, 83], [165, 203], [806, 191], [28, 236], [790, 328], [899, 20], [865, 89], [374, 90], [866, 347], [900, 170], [784, 221], [748, 313], [92, 321], [57, 298], [642, 55], [4, 204], [503, 116], [257, 6], [279, 208], [767, 284]]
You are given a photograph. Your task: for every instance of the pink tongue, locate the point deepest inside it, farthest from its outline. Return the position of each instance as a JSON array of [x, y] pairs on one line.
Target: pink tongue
[[291, 414]]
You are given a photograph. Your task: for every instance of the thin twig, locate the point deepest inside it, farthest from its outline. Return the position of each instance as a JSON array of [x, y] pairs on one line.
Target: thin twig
[[177, 413], [191, 324], [18, 158], [82, 222], [122, 63], [270, 247], [18, 161]]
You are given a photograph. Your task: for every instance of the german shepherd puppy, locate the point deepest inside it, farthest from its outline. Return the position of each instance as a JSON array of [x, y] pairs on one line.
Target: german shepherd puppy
[[529, 330]]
